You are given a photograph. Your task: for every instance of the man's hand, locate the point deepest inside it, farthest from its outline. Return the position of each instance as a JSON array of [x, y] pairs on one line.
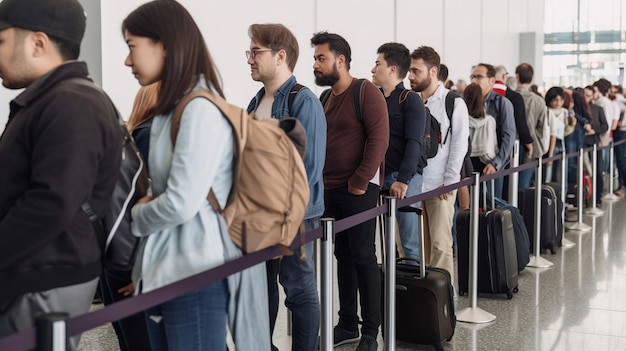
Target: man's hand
[[127, 290], [355, 191], [145, 199], [529, 153], [445, 196], [489, 169], [398, 190]]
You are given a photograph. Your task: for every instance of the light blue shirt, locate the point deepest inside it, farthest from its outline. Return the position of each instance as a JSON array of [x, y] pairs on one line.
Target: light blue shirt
[[181, 229]]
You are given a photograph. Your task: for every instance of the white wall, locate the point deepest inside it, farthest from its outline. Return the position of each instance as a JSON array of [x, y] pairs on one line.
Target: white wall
[[464, 32]]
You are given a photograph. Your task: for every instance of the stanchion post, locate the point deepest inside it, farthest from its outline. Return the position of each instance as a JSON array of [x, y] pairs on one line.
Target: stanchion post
[[390, 274], [593, 210], [326, 298], [52, 331], [610, 196], [580, 226], [473, 313], [513, 177], [538, 261], [564, 180]]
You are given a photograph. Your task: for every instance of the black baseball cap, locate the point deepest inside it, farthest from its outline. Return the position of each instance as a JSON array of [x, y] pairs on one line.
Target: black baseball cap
[[63, 19]]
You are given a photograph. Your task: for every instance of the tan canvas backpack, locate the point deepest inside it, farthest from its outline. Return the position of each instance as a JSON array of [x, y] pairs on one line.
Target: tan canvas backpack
[[270, 191]]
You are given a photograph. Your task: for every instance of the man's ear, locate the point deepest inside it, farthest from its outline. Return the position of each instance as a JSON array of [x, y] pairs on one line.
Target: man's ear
[[281, 56], [40, 43]]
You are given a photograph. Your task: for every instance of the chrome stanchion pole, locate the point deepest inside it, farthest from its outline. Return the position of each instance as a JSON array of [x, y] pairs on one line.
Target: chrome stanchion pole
[[537, 261], [326, 298], [610, 196], [593, 210], [52, 332], [390, 275], [513, 177], [564, 168], [473, 313], [580, 226]]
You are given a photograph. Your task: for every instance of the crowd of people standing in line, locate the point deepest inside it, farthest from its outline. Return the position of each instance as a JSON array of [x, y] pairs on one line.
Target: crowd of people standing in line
[[63, 154]]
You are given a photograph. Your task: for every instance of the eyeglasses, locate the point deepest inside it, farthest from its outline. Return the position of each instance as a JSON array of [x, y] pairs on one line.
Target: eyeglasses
[[252, 53], [477, 77]]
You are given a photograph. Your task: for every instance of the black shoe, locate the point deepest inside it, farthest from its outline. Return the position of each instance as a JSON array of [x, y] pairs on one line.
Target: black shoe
[[342, 336], [367, 344]]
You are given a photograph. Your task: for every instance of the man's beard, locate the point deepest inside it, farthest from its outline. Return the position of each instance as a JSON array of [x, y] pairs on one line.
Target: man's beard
[[419, 87], [328, 80]]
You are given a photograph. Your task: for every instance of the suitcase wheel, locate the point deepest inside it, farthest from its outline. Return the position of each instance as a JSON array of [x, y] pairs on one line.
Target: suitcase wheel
[[515, 290], [509, 295]]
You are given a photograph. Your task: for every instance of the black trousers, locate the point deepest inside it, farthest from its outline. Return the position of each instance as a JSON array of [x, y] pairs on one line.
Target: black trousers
[[131, 331], [355, 250]]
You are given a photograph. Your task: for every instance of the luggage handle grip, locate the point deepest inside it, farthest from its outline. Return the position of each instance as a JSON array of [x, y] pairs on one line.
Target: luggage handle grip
[[402, 288]]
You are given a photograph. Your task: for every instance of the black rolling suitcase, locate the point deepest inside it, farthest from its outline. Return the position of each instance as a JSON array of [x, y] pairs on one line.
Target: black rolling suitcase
[[551, 214], [424, 300], [497, 253], [522, 242]]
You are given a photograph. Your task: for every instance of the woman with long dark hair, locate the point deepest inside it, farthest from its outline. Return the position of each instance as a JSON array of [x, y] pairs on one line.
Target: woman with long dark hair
[[182, 235]]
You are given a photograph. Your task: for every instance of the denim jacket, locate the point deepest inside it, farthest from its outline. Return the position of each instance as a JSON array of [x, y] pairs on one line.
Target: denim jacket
[[308, 110]]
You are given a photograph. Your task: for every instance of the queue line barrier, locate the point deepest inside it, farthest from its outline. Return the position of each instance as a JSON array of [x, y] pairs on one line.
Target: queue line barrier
[[47, 339]]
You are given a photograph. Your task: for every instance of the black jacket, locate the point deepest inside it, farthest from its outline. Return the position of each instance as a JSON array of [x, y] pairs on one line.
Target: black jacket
[[598, 123], [519, 111], [61, 147]]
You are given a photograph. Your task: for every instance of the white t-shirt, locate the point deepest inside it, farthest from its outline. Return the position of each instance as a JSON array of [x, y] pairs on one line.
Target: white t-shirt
[[558, 119]]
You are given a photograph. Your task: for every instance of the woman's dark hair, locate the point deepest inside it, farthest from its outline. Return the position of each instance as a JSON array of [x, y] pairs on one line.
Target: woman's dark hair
[[473, 96], [187, 54], [553, 93]]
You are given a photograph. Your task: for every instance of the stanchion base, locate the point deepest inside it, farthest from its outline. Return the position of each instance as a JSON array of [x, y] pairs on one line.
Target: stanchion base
[[474, 315], [567, 243], [582, 227], [594, 211], [610, 197], [539, 262]]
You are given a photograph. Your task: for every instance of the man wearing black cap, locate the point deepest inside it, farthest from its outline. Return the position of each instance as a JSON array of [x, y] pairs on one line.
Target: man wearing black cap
[[61, 148]]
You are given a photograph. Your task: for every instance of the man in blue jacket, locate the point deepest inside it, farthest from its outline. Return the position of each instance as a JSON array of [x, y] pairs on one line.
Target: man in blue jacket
[[61, 148], [272, 57]]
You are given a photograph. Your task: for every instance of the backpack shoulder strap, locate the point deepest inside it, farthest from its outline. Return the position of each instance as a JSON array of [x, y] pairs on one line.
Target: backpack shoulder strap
[[236, 116], [292, 96], [324, 96], [449, 103], [450, 97], [357, 98], [403, 95]]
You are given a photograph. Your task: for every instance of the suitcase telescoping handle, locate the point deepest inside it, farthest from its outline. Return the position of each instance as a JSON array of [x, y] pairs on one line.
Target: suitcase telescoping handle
[[420, 233], [484, 192]]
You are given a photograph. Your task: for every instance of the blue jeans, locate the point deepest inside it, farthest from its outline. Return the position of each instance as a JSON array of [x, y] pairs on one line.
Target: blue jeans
[[525, 177], [407, 221], [297, 276], [195, 321]]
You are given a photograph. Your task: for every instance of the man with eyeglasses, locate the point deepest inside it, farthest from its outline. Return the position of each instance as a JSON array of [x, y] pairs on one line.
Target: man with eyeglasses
[[272, 58], [536, 118], [501, 109]]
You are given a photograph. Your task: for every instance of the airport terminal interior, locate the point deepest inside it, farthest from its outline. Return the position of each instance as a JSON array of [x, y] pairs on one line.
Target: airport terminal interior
[[578, 303]]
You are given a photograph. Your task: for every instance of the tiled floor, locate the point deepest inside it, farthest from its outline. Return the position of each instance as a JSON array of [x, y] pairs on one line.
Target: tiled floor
[[578, 304]]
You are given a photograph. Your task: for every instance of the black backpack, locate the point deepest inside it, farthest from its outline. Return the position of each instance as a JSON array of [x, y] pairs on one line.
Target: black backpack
[[117, 242], [433, 137]]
